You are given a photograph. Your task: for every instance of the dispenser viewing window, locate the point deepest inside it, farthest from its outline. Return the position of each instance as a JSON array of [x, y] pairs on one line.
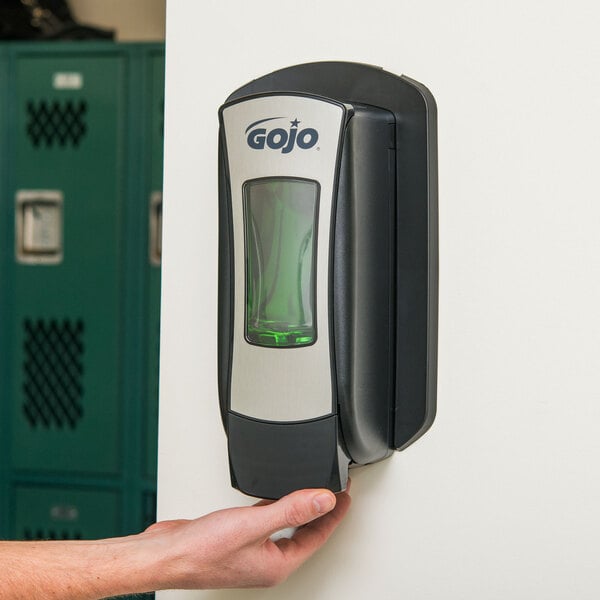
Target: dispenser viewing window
[[280, 217], [327, 349]]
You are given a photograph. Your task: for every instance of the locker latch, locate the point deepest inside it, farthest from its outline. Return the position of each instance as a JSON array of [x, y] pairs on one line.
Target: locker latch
[[39, 226], [155, 224]]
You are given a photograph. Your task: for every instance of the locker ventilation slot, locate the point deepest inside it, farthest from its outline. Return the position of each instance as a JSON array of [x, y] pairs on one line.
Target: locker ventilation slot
[[53, 373], [50, 534], [56, 123]]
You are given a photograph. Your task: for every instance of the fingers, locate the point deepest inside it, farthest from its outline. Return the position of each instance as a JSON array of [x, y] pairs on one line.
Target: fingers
[[297, 509], [311, 537]]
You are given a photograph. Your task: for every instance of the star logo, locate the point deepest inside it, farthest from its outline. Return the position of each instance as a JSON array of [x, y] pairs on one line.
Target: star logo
[[295, 122]]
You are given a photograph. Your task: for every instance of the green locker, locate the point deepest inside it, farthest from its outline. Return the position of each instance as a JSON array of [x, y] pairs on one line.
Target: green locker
[[67, 322], [80, 219]]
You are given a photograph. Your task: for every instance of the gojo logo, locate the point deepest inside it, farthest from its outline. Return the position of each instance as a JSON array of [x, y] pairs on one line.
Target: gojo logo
[[278, 138]]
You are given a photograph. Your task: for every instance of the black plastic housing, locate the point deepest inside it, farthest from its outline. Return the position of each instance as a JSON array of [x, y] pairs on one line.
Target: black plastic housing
[[382, 286]]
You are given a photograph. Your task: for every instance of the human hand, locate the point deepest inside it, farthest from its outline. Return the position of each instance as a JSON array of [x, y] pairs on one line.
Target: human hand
[[228, 548], [232, 548]]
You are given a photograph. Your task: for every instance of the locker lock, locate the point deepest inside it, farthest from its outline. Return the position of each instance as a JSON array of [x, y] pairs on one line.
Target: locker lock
[[39, 226]]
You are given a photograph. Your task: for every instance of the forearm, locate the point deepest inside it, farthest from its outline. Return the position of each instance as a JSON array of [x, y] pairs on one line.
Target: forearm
[[75, 570], [225, 549]]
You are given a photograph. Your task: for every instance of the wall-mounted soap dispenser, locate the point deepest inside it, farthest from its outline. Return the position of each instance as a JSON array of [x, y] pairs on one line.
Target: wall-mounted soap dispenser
[[328, 273]]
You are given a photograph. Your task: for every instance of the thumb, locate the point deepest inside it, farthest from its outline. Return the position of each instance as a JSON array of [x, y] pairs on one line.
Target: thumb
[[297, 508]]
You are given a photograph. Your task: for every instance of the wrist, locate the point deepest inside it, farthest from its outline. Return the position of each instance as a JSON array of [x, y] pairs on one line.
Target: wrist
[[112, 567], [153, 560], [139, 565]]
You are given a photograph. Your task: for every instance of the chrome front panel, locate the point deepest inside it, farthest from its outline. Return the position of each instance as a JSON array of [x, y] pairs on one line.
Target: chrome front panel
[[283, 384]]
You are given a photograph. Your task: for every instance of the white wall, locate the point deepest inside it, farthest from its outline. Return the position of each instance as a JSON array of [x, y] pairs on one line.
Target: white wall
[[500, 499]]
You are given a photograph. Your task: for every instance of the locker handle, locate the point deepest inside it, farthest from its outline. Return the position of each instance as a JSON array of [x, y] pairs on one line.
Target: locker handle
[[39, 227], [155, 228]]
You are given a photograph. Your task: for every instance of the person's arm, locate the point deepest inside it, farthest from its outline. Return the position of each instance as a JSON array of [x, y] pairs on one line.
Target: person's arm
[[225, 549]]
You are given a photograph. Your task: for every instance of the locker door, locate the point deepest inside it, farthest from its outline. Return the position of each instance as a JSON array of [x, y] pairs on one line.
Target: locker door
[[66, 318]]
